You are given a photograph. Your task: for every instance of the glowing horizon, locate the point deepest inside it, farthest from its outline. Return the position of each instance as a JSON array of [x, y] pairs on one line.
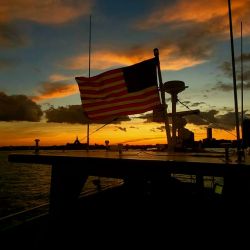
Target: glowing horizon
[[42, 53], [51, 134]]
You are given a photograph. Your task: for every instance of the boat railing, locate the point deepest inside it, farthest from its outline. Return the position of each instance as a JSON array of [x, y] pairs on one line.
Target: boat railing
[[209, 182], [95, 185]]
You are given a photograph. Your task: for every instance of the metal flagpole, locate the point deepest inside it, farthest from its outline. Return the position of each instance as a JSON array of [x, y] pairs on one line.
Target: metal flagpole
[[89, 72], [156, 54], [234, 82]]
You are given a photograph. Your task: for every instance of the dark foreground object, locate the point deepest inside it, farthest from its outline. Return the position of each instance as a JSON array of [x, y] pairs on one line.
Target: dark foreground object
[[152, 207], [126, 216]]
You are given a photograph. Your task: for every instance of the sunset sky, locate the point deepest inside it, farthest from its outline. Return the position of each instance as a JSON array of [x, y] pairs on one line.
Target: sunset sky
[[44, 45]]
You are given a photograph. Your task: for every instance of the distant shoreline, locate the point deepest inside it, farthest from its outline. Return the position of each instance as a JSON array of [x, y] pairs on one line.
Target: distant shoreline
[[69, 147], [204, 144]]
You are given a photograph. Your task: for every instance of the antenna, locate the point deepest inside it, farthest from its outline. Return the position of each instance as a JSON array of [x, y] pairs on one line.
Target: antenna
[[163, 102], [89, 73], [241, 64], [234, 82]]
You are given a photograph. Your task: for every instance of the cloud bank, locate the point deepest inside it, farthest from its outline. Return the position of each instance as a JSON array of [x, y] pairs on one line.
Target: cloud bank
[[19, 108]]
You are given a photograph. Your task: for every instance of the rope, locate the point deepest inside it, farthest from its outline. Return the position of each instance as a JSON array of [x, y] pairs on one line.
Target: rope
[[100, 127], [204, 119]]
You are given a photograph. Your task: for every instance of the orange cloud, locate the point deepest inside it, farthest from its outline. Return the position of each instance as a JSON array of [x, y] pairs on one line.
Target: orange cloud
[[46, 11], [198, 11], [55, 90], [59, 77], [195, 28], [171, 62], [105, 59]]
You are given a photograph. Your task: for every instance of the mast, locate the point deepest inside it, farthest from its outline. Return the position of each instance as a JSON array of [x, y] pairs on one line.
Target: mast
[[241, 64], [234, 81], [163, 101], [89, 73]]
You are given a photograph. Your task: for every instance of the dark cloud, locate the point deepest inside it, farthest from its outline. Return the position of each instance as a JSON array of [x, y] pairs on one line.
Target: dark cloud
[[213, 119], [158, 117], [161, 128], [245, 57], [227, 109], [196, 34], [186, 44], [246, 75], [226, 121], [148, 117], [222, 87], [204, 118], [10, 37], [210, 118], [229, 87], [121, 119], [193, 29], [155, 116], [193, 40], [75, 114], [68, 114], [186, 102], [226, 68], [196, 104], [122, 129], [246, 86], [134, 127], [18, 108]]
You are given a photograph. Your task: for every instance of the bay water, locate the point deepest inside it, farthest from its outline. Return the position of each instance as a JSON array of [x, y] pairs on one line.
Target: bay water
[[27, 186]]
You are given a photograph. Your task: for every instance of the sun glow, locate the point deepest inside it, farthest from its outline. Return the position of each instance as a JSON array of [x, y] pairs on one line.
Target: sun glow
[[132, 133]]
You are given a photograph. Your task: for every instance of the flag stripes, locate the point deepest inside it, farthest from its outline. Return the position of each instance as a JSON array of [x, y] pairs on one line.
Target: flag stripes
[[106, 96], [132, 105], [136, 98]]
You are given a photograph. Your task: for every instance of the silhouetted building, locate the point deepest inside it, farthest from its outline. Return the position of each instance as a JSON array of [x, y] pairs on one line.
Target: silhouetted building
[[37, 145], [76, 145], [77, 142], [209, 134]]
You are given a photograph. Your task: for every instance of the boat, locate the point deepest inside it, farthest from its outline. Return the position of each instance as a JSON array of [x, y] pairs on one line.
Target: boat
[[162, 195], [157, 189]]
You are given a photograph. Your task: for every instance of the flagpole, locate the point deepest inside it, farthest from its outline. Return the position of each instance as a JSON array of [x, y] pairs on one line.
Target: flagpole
[[89, 72], [163, 101], [234, 82]]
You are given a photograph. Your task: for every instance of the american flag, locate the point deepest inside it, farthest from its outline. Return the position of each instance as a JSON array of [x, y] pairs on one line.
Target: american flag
[[124, 91]]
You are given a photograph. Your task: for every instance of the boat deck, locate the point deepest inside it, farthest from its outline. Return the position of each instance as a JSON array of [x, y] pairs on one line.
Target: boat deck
[[151, 205], [118, 218]]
